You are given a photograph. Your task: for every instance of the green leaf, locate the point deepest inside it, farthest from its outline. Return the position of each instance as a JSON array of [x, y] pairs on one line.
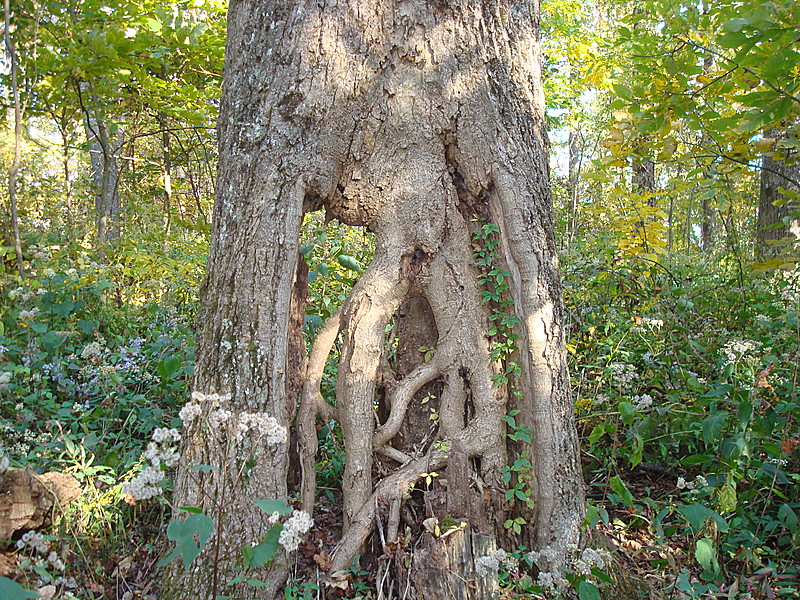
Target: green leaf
[[697, 515], [696, 459], [623, 91], [597, 432], [273, 506], [348, 262], [706, 555], [264, 552], [168, 367], [713, 426], [621, 490], [184, 532], [87, 327], [11, 590], [588, 591], [727, 497], [50, 341], [789, 518], [626, 412]]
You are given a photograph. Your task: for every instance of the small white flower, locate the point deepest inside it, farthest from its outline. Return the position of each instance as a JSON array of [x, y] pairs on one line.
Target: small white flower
[[190, 412], [92, 350], [295, 527]]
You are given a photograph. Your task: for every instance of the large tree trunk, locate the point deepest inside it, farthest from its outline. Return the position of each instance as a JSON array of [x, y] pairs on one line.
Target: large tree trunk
[[420, 121], [777, 213]]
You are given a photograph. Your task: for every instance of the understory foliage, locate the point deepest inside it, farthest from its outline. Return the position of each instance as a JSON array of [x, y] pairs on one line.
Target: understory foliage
[[684, 374]]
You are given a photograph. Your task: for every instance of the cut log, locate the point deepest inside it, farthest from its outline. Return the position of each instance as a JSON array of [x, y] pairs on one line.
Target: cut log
[[26, 499], [444, 567]]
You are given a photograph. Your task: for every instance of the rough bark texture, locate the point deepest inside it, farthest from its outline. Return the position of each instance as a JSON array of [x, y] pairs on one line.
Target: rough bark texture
[[105, 156], [777, 171], [410, 118]]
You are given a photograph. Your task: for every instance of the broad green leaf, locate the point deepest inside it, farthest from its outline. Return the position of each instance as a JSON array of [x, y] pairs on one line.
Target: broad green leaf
[[588, 591], [264, 552], [50, 341], [727, 498], [11, 590], [706, 555], [713, 426], [621, 489], [348, 262], [626, 412], [697, 515], [273, 506], [168, 367], [789, 518], [184, 532]]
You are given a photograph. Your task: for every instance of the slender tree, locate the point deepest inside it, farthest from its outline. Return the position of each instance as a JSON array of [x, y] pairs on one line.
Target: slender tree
[[423, 122]]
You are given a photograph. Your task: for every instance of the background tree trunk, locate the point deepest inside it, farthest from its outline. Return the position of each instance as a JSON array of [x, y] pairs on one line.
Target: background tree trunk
[[777, 171], [420, 121]]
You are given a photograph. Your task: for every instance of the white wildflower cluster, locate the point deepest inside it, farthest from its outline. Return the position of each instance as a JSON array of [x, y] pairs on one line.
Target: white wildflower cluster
[[160, 451], [5, 378], [646, 324], [217, 418], [602, 398], [49, 273], [552, 581], [547, 554], [145, 485], [589, 559], [622, 374], [34, 541], [190, 412], [694, 487], [490, 563], [29, 314], [92, 350], [736, 350], [260, 424], [642, 403], [294, 528], [246, 425]]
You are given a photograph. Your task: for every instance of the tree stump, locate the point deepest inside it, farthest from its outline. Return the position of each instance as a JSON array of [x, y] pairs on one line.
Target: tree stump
[[444, 567], [26, 499]]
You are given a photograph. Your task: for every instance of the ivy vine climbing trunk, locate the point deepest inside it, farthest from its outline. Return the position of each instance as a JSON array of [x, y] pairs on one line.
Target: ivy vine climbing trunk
[[423, 122]]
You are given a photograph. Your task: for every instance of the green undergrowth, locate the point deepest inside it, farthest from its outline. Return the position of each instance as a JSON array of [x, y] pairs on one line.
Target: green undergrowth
[[684, 373]]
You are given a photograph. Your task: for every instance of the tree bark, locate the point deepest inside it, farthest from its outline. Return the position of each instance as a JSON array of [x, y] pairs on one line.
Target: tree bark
[[13, 171], [411, 119], [777, 214], [104, 154]]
